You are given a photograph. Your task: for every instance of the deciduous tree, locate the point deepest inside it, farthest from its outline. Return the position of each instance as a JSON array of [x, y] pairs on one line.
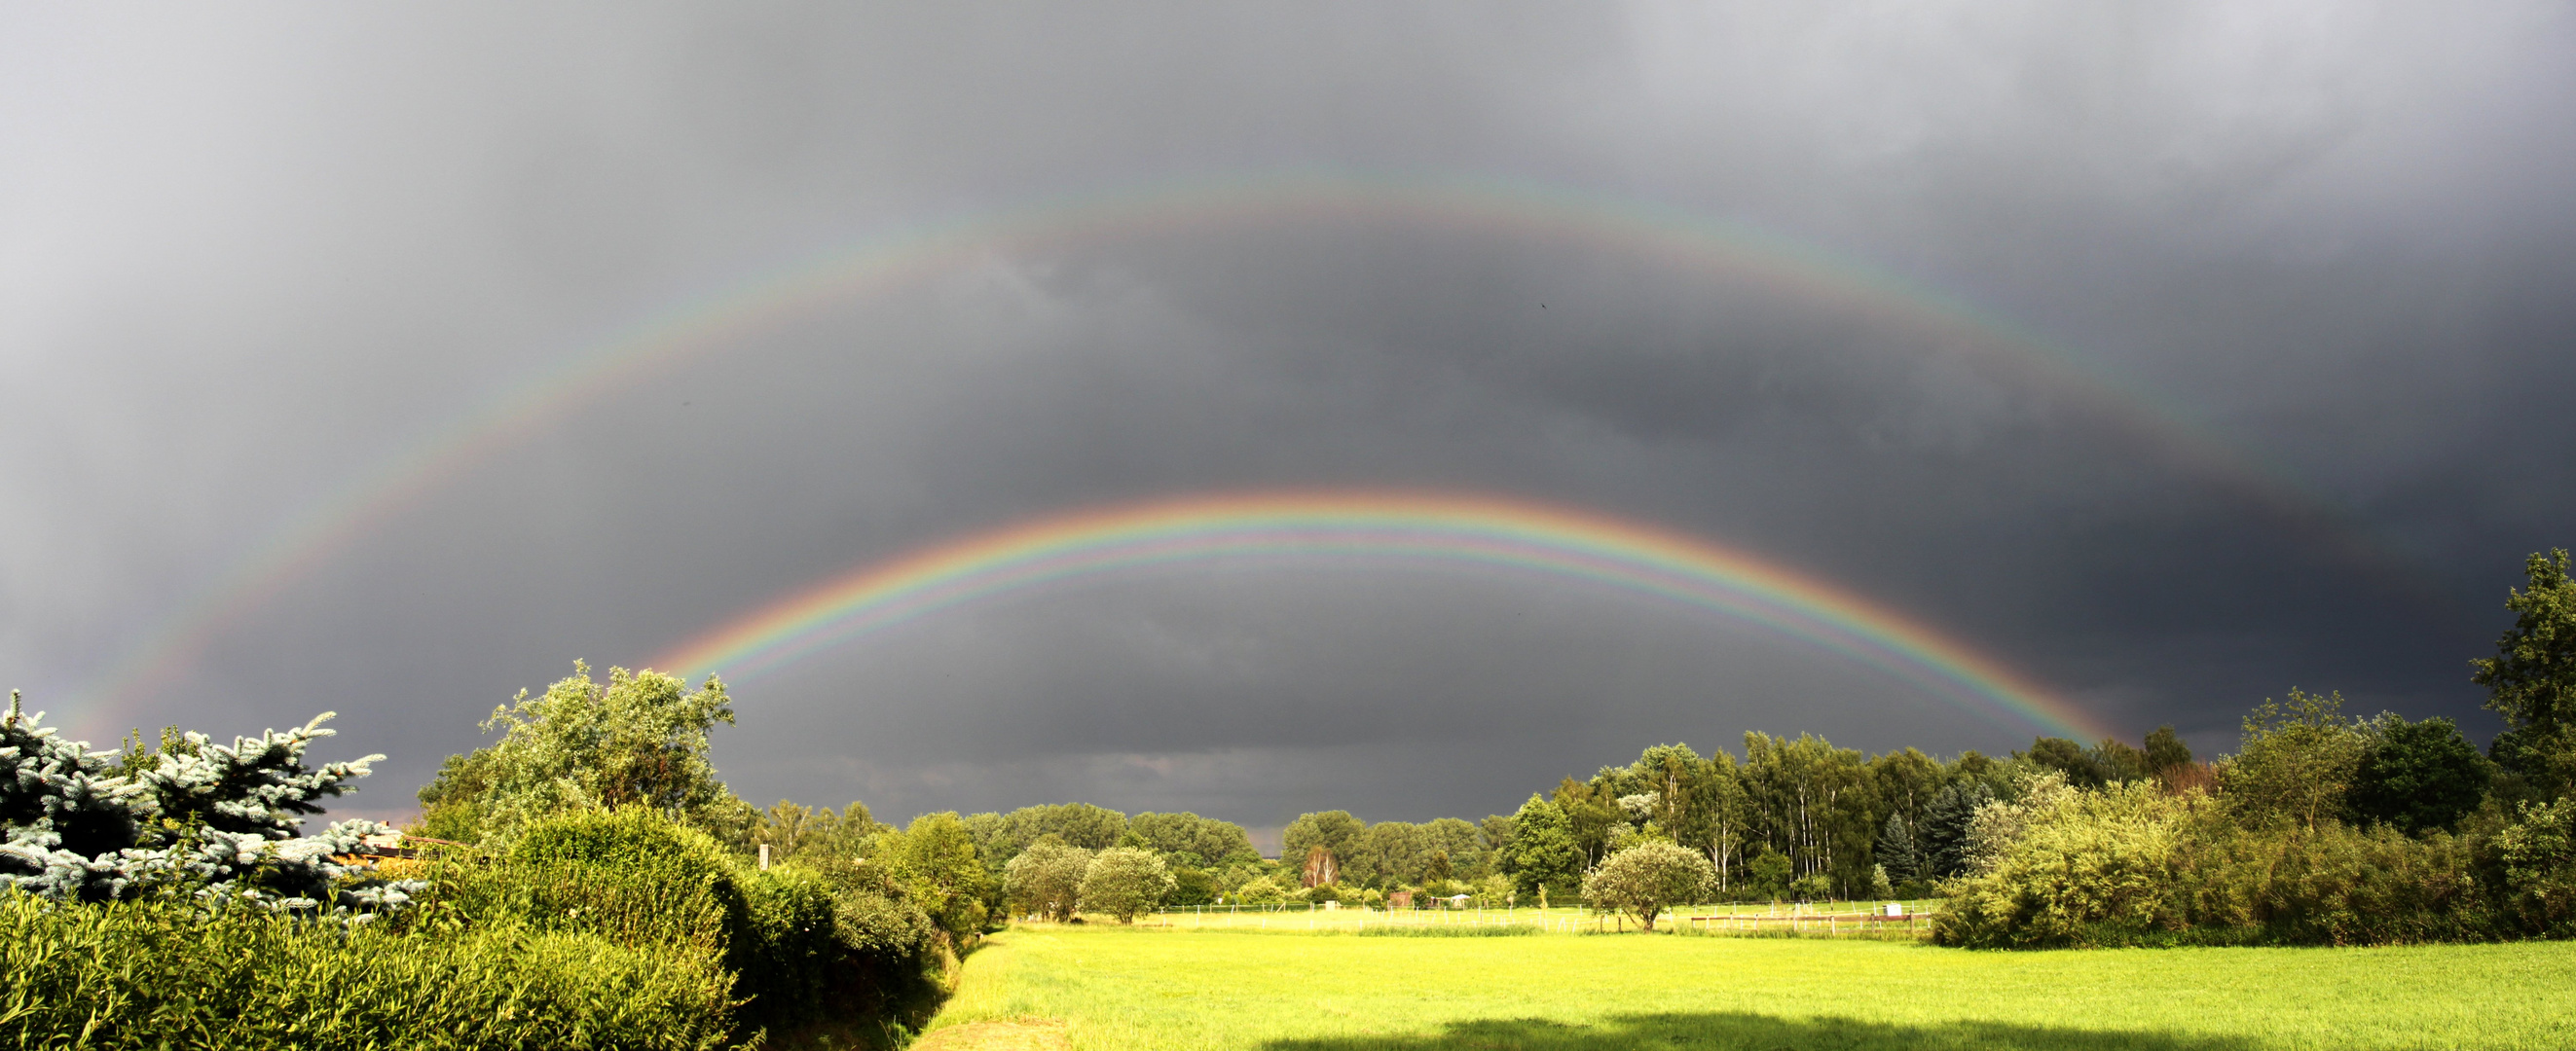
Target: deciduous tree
[[639, 739], [2418, 776], [1124, 881], [2531, 681], [1648, 878], [1047, 878], [1543, 852], [2297, 762]]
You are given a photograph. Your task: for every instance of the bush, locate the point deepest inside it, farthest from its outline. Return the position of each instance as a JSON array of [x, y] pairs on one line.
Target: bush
[[2538, 854], [799, 947], [164, 973], [2133, 865], [2061, 864]]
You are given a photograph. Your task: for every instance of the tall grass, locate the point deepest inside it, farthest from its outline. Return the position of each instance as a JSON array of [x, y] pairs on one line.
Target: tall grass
[[161, 973]]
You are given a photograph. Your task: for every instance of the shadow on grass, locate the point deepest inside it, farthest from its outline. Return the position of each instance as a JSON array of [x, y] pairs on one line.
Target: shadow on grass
[[1754, 1032]]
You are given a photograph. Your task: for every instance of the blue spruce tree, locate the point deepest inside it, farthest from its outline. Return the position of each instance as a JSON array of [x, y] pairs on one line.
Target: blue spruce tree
[[218, 821]]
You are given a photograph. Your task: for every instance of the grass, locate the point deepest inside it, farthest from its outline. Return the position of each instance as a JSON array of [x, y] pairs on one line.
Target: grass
[[1840, 919], [1104, 986]]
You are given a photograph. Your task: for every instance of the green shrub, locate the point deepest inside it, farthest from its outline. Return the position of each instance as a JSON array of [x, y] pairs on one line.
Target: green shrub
[[2538, 855], [164, 973], [2132, 865], [2064, 866], [799, 947], [2332, 885]]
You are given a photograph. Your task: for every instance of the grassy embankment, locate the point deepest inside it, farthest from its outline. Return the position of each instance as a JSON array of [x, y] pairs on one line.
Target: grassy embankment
[[1103, 986]]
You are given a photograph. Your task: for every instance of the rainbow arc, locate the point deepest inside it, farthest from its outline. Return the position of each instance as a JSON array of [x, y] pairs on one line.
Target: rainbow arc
[[1477, 533]]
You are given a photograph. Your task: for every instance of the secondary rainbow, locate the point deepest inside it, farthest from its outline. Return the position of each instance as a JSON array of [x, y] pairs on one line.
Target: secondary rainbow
[[328, 527], [1478, 532]]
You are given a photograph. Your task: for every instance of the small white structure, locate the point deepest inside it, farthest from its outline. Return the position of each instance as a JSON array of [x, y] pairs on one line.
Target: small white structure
[[1896, 908]]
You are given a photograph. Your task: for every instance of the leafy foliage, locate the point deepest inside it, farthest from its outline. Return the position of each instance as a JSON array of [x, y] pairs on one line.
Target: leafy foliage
[[796, 942], [2531, 681], [639, 739], [1124, 881], [1645, 879], [935, 863], [1543, 852], [1047, 878], [2538, 854], [2297, 762], [2418, 776], [161, 973]]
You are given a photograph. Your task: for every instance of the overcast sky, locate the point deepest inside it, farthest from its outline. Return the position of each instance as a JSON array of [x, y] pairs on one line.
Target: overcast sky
[[2270, 390]]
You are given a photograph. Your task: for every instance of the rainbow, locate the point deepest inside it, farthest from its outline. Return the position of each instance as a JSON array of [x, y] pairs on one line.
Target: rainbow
[[328, 528], [1480, 532]]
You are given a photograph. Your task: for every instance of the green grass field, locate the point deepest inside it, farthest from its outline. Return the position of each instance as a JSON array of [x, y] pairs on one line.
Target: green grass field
[[1103, 986]]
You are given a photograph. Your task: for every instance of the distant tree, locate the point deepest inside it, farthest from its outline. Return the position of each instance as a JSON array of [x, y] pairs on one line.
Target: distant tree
[[1906, 780], [1814, 803], [815, 834], [1047, 878], [1192, 887], [1811, 888], [1124, 881], [935, 862], [1896, 852], [1648, 878], [1336, 831], [2069, 758], [2298, 760], [1188, 839], [1591, 812], [1496, 832], [1438, 869], [2531, 681], [1720, 816], [1669, 776], [2119, 761], [639, 739], [1542, 852], [1946, 820], [1460, 842], [2166, 751], [1768, 875], [1263, 890], [1389, 853], [2418, 776]]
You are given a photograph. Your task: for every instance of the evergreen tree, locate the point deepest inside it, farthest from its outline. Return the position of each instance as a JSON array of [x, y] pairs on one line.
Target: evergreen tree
[[1943, 845], [222, 820], [1896, 852]]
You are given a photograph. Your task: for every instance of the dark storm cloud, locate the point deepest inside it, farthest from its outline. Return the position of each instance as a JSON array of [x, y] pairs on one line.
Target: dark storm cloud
[[250, 263]]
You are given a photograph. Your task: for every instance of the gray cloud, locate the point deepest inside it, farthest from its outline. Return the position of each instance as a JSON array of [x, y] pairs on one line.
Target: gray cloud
[[253, 260]]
